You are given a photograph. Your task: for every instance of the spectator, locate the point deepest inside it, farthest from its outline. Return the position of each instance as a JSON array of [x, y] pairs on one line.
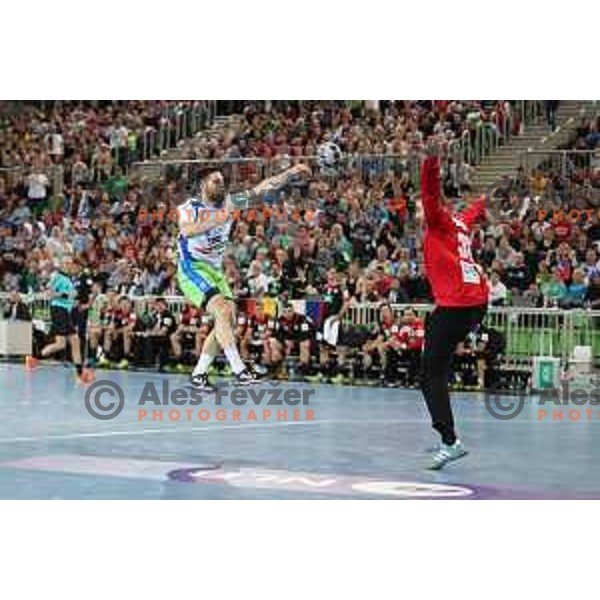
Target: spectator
[[591, 267], [488, 254], [563, 259], [533, 297], [593, 293], [37, 189], [576, 291], [498, 291], [555, 290], [56, 245], [257, 282], [517, 276], [531, 258], [505, 252], [15, 309], [21, 213]]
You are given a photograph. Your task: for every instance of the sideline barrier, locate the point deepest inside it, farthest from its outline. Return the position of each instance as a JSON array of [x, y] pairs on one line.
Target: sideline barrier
[[528, 332]]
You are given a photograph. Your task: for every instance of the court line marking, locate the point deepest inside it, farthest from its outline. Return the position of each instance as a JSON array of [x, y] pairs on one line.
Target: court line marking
[[210, 428], [117, 432]]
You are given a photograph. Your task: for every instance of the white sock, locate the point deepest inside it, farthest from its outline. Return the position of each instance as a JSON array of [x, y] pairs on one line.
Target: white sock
[[203, 363], [233, 356]]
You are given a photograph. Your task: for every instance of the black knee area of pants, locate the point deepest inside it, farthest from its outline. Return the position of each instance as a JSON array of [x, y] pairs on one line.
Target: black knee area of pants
[[391, 364], [62, 321], [446, 431]]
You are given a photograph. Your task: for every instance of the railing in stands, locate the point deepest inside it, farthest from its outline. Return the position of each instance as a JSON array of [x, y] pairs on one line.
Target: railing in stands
[[13, 175], [239, 171], [477, 142], [177, 123], [528, 332], [143, 153], [561, 162]]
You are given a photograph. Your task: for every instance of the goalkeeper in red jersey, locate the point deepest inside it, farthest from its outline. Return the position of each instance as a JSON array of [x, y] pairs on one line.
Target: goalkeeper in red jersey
[[460, 292]]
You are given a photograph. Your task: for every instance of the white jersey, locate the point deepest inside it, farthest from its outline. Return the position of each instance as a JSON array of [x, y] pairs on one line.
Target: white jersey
[[207, 247]]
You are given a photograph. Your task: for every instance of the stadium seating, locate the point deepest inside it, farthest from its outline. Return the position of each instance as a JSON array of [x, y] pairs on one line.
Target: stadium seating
[[73, 177]]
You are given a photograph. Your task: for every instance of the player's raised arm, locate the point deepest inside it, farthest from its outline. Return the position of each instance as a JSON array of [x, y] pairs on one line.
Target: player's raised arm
[[473, 213], [279, 181], [431, 191], [195, 222], [255, 196]]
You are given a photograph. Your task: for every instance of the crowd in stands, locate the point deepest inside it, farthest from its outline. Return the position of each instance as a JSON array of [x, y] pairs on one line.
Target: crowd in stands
[[89, 139], [363, 226], [363, 242], [550, 255], [588, 134], [297, 129]]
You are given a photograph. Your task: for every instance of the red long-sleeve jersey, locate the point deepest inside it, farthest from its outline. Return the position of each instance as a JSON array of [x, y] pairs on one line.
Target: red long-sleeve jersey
[[413, 335], [455, 278]]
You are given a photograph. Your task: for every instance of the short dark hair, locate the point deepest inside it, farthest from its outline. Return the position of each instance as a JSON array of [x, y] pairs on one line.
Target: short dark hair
[[203, 172]]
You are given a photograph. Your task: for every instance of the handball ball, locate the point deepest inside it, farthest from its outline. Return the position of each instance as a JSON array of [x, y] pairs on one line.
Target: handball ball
[[329, 155]]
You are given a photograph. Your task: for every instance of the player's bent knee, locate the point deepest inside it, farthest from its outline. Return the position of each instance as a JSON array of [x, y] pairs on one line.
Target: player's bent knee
[[224, 313], [215, 304]]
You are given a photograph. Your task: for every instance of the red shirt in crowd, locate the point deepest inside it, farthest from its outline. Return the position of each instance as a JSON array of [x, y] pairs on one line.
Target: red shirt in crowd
[[562, 230], [391, 332], [384, 285], [412, 335], [455, 278], [191, 316], [122, 317]]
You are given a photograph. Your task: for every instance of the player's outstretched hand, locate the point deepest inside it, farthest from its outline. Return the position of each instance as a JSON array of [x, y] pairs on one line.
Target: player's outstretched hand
[[300, 169]]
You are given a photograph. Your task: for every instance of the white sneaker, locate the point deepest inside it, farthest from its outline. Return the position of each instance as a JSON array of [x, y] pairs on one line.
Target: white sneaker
[[201, 383], [445, 454], [246, 377]]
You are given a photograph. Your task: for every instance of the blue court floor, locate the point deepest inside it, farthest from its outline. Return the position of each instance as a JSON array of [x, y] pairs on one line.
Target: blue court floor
[[365, 443]]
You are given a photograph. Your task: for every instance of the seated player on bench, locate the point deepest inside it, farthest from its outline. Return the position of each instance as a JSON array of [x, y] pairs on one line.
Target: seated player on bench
[[188, 333], [293, 338]]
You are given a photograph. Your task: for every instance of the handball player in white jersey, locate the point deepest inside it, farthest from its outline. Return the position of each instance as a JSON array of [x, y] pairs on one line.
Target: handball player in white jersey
[[204, 226]]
